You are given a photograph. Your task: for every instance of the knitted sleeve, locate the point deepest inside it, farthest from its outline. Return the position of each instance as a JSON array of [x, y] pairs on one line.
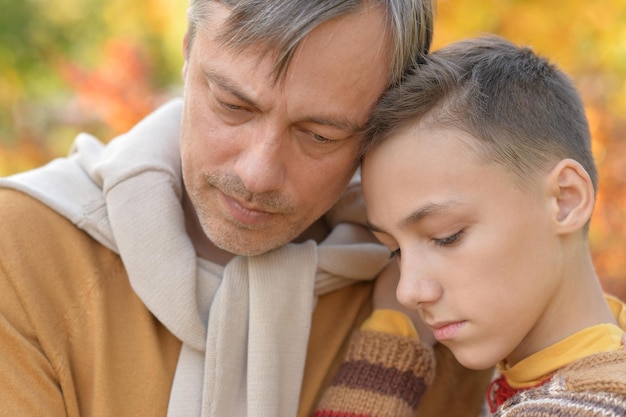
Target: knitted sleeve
[[383, 375]]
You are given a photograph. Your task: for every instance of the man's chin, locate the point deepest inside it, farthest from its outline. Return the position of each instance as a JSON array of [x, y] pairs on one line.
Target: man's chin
[[247, 246], [239, 250]]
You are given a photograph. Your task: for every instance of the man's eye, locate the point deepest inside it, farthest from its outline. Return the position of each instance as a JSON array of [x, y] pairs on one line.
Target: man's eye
[[450, 240], [322, 139], [229, 106]]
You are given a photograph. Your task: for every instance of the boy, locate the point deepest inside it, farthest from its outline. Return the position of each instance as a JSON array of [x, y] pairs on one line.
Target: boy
[[479, 178]]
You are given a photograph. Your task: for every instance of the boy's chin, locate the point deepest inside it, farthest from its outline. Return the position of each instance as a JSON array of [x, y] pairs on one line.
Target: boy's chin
[[474, 359]]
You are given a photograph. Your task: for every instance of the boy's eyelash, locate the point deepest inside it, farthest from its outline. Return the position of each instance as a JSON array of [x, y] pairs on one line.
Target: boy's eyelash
[[446, 241], [450, 240]]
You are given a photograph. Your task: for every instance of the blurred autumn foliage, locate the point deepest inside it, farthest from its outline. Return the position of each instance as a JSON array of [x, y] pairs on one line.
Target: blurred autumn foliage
[[99, 66], [82, 65]]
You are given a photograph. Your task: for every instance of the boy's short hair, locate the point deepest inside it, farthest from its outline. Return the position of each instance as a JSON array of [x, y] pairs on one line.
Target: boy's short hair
[[525, 112]]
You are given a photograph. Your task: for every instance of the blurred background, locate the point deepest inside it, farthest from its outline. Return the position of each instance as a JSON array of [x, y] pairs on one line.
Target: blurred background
[[99, 66]]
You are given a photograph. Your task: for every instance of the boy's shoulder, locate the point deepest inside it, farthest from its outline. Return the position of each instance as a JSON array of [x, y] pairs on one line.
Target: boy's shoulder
[[595, 385], [604, 371]]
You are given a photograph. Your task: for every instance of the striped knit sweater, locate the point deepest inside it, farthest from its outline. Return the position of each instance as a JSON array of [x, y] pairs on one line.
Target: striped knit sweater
[[383, 375], [592, 386]]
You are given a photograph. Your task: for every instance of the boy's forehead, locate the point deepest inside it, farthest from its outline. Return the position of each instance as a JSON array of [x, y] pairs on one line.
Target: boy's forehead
[[427, 130], [433, 166]]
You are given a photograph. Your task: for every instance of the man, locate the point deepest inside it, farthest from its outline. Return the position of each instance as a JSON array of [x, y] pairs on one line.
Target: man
[[156, 276]]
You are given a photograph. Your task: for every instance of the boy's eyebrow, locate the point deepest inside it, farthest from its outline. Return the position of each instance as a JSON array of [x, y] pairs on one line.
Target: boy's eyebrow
[[426, 210], [417, 215], [373, 227], [338, 122]]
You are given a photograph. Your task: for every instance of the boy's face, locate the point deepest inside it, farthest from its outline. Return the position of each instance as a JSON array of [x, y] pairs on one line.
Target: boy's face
[[479, 257], [263, 160]]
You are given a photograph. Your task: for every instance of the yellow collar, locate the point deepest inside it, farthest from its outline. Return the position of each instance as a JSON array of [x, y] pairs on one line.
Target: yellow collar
[[600, 338]]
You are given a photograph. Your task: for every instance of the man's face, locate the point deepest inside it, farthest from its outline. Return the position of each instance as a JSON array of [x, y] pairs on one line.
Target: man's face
[[262, 160], [479, 257]]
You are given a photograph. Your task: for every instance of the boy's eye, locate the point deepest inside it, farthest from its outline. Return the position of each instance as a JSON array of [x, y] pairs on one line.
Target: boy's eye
[[449, 240], [395, 254]]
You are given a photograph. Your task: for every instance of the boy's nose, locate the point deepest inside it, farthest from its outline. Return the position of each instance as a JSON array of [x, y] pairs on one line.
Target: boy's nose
[[416, 286]]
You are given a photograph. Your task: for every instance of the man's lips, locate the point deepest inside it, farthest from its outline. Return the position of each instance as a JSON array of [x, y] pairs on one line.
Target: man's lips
[[244, 213]]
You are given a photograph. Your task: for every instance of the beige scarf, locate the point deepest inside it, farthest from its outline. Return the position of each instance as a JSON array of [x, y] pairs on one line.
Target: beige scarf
[[244, 327]]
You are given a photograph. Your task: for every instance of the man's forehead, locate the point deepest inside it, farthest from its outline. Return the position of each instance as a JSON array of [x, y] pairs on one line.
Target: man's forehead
[[339, 70]]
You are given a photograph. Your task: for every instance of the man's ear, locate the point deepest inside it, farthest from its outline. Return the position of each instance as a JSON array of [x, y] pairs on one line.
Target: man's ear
[[572, 191], [186, 53]]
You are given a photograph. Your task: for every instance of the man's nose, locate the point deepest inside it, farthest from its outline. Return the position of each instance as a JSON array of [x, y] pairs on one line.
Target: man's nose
[[261, 163]]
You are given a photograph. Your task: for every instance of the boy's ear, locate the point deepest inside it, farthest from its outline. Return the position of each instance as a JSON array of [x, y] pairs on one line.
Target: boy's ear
[[572, 191]]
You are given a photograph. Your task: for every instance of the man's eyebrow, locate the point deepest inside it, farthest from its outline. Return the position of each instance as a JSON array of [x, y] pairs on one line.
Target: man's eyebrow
[[229, 86], [341, 123]]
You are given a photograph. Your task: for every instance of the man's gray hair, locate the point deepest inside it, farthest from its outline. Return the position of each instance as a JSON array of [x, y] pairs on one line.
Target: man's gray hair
[[280, 25]]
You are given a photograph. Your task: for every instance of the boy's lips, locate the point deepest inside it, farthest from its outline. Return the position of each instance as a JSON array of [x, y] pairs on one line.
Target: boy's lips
[[444, 330]]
